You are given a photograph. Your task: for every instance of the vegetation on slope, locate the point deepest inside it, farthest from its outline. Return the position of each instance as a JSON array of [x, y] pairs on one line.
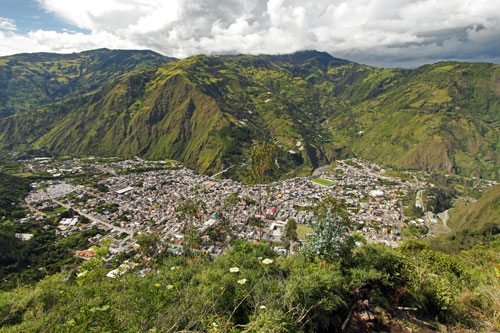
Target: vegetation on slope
[[24, 262], [472, 224], [28, 81], [207, 111], [12, 192], [250, 289], [28, 261]]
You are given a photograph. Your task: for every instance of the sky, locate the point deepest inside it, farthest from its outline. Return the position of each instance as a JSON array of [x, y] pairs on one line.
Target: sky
[[386, 33]]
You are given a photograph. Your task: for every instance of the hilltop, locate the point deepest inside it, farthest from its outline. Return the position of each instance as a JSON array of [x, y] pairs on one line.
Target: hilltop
[[31, 80], [206, 112]]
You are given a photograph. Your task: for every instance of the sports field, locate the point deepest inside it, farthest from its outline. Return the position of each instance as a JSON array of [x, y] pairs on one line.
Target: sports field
[[322, 181]]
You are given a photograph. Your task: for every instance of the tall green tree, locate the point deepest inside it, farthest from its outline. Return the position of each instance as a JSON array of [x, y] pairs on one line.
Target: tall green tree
[[290, 233], [330, 205], [328, 238], [262, 169], [331, 227], [192, 241], [149, 243]]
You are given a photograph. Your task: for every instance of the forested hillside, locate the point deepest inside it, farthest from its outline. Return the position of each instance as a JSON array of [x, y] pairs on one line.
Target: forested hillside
[[28, 81], [206, 112], [12, 192], [472, 224]]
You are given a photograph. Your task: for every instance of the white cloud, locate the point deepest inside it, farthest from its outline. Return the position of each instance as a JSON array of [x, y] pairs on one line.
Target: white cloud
[[381, 32], [7, 24]]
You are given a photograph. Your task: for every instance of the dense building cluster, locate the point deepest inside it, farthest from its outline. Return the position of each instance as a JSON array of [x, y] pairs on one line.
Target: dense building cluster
[[131, 197]]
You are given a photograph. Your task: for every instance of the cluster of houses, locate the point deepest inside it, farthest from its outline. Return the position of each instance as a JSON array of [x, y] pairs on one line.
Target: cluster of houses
[[173, 202]]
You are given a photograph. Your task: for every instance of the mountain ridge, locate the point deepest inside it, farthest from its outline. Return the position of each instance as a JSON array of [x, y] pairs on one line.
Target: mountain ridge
[[206, 111], [31, 80]]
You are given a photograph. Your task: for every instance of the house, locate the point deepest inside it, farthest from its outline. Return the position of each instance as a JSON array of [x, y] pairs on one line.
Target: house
[[277, 228], [24, 237], [271, 213], [85, 254], [125, 190]]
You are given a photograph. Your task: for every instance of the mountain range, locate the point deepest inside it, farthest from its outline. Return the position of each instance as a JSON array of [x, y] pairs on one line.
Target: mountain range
[[207, 111]]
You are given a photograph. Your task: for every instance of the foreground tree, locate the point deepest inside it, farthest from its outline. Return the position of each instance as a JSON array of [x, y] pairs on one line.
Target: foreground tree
[[149, 243], [290, 234], [328, 239], [262, 169], [331, 229]]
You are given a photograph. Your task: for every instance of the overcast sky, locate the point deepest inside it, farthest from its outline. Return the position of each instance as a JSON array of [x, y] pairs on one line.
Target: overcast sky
[[377, 32]]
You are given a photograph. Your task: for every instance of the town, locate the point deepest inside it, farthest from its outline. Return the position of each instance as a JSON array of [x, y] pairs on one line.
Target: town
[[127, 198]]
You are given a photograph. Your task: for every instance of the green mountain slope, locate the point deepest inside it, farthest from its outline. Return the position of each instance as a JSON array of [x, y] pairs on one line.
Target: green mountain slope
[[207, 111], [473, 223], [28, 81], [203, 111], [441, 117]]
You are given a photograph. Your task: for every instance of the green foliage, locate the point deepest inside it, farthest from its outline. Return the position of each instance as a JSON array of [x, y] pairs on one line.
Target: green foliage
[[190, 207], [472, 224], [330, 205], [413, 230], [439, 199], [251, 289], [12, 192], [328, 238], [107, 207], [149, 243], [207, 111], [100, 187], [231, 200], [25, 262], [290, 233], [262, 167]]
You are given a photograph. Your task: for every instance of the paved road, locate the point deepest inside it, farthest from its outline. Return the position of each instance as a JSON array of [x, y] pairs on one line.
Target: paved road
[[92, 218], [444, 216], [33, 209], [108, 170], [221, 172]]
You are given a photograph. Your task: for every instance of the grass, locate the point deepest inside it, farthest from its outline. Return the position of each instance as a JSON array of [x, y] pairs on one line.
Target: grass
[[396, 174], [55, 211], [322, 181], [303, 230], [24, 174]]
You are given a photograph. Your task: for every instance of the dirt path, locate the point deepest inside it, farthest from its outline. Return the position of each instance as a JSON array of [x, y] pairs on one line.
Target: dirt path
[[319, 170], [445, 216]]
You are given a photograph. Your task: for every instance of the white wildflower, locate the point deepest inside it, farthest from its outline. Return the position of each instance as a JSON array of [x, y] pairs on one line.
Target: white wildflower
[[263, 307], [267, 261], [234, 269], [82, 274], [242, 281]]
